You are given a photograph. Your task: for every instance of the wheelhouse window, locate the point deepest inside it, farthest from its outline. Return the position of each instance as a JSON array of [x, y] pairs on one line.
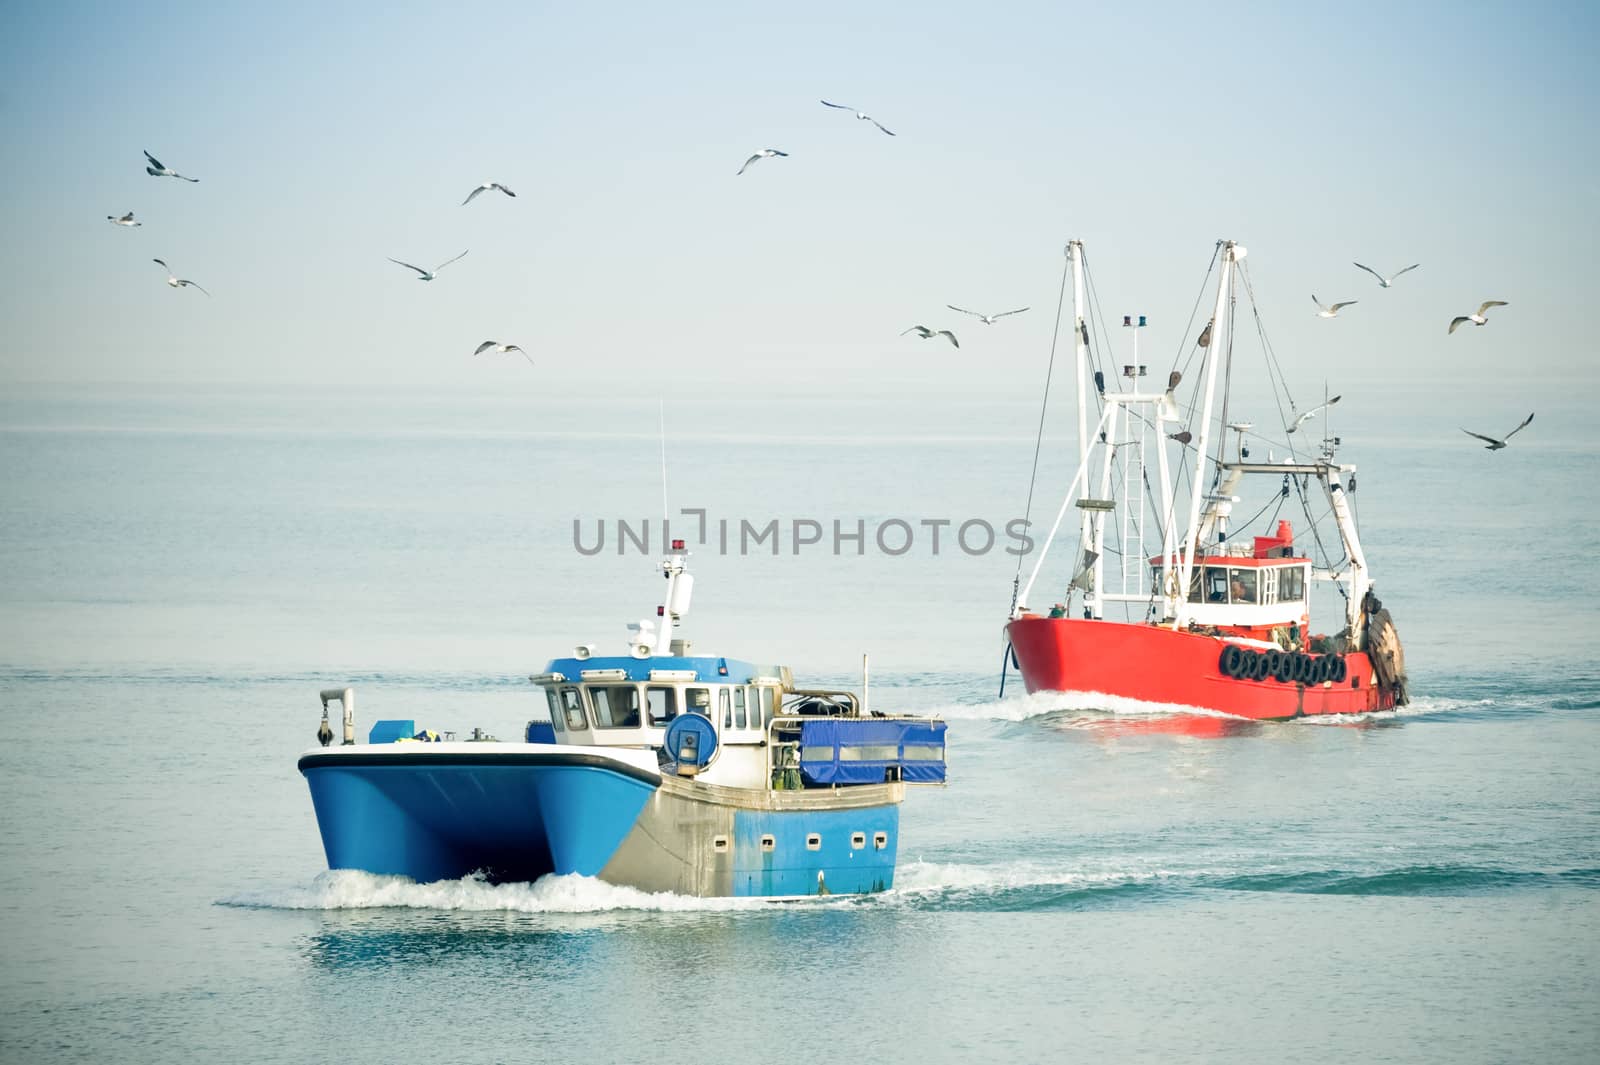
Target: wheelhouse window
[[615, 705], [1210, 586], [555, 710], [726, 707], [740, 719], [662, 703], [698, 701], [1242, 586], [769, 705], [572, 708], [1291, 584]]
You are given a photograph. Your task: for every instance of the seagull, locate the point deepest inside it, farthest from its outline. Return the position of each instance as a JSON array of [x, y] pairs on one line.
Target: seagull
[[1496, 445], [862, 115], [125, 220], [765, 153], [1329, 312], [155, 169], [1306, 416], [986, 319], [925, 333], [176, 282], [1481, 318], [485, 187], [428, 275], [1385, 282], [495, 345]]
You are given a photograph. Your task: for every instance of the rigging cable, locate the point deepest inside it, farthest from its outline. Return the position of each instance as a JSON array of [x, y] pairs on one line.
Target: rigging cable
[[1044, 406]]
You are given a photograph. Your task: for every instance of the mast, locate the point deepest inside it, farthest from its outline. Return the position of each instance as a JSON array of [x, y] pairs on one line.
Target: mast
[[1096, 518], [1080, 342], [1360, 580], [1168, 533], [1231, 254], [1080, 346]]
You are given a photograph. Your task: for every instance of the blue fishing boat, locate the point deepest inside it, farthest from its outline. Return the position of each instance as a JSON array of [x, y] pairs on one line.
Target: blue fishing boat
[[658, 769]]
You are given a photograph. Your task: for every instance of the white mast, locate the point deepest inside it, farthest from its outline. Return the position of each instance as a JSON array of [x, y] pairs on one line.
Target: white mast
[[1081, 476], [1096, 517], [1080, 342], [1360, 581], [1080, 345], [1231, 254]]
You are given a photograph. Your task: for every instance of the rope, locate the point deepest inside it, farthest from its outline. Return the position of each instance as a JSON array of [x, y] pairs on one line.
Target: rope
[[1044, 406]]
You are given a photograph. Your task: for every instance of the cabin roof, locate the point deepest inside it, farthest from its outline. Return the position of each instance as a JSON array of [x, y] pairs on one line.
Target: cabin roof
[[707, 669], [1240, 561]]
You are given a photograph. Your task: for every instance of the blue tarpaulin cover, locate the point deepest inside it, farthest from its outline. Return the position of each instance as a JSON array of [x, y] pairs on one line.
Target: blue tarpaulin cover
[[849, 750], [389, 731]]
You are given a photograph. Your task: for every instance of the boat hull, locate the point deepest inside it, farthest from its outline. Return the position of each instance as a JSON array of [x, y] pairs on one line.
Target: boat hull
[[515, 812], [706, 840], [1155, 664]]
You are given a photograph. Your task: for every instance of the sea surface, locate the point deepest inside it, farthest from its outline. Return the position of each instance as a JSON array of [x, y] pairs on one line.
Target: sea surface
[[182, 571]]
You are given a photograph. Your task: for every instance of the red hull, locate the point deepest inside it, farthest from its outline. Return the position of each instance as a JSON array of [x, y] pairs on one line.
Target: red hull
[[1153, 664]]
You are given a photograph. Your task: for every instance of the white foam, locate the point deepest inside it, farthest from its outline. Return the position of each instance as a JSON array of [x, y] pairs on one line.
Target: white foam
[[1041, 704], [349, 889], [919, 878], [1418, 707]]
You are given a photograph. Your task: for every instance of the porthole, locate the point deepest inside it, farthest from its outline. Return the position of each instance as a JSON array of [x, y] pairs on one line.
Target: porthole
[[768, 843], [858, 840], [719, 844], [813, 842], [880, 840]]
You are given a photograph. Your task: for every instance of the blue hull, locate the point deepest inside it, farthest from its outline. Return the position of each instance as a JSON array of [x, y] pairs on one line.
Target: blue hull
[[518, 812]]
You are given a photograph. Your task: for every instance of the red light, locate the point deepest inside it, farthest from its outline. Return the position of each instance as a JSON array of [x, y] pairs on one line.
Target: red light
[[661, 611], [677, 545]]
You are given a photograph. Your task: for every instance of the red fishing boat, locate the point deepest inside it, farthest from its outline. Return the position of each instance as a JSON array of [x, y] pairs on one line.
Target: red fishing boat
[[1216, 618]]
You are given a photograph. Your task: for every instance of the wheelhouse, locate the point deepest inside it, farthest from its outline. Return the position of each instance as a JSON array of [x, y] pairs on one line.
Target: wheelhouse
[[595, 703], [1249, 582], [754, 728]]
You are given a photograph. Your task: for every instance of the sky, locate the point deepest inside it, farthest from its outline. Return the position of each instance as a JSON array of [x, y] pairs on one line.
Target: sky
[[329, 139]]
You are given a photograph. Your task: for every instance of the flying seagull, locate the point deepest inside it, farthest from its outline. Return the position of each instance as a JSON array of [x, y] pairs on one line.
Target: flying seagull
[[862, 115], [485, 187], [176, 282], [1306, 416], [125, 220], [1496, 445], [155, 169], [1385, 282], [428, 275], [925, 333], [495, 345], [1329, 312], [765, 153], [1481, 318], [986, 319]]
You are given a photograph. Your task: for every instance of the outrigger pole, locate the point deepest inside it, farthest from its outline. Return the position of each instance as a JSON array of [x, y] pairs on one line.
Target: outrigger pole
[[1231, 254]]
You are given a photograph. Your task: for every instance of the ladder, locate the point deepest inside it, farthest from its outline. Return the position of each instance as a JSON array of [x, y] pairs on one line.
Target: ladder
[[1133, 516]]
